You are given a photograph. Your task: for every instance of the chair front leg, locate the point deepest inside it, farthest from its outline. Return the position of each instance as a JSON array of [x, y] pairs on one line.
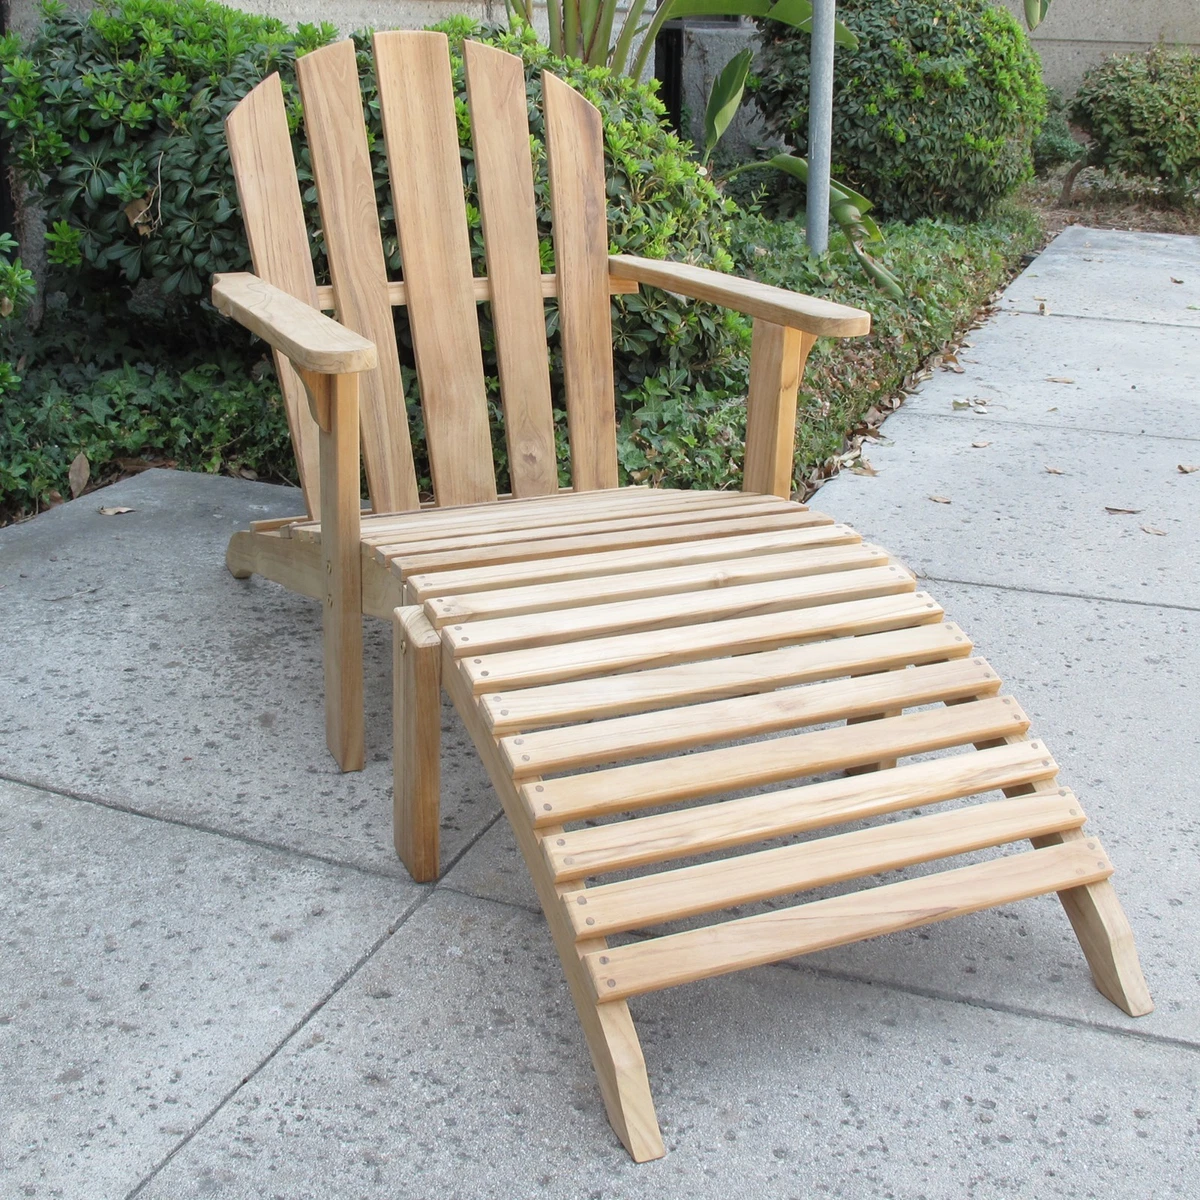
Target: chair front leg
[[334, 401], [777, 358]]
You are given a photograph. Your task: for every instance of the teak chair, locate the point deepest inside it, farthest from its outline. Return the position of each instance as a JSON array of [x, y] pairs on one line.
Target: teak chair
[[590, 638]]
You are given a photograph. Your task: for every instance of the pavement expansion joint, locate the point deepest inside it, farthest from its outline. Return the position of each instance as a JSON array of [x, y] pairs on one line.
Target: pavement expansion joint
[[1012, 587], [1033, 312], [1116, 433], [299, 1026]]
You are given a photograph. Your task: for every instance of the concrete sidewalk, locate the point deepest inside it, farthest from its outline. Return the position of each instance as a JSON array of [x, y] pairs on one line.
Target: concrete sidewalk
[[217, 981]]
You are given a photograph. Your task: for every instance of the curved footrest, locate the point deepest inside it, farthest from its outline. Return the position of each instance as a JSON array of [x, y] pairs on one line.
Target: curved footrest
[[721, 694]]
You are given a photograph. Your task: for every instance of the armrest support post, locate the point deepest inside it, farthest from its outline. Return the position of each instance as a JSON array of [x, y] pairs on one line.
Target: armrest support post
[[334, 400], [777, 358]]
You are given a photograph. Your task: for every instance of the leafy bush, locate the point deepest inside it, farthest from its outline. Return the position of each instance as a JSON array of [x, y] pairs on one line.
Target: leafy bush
[[1055, 145], [133, 416], [1143, 114], [116, 119], [16, 290], [933, 114]]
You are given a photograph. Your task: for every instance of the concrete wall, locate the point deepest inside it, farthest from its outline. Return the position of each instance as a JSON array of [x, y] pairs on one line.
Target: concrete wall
[[1075, 34], [1078, 33]]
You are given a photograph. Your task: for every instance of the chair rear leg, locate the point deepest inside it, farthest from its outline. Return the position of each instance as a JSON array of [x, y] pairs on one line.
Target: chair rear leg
[[416, 754], [240, 556]]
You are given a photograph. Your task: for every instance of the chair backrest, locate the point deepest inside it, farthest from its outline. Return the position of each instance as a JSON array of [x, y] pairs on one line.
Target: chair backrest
[[417, 104]]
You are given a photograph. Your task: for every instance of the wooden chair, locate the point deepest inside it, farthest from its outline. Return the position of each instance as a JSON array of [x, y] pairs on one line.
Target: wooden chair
[[621, 657]]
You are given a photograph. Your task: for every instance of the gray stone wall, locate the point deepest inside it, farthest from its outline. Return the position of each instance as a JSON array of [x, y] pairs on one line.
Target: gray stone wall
[[1078, 33]]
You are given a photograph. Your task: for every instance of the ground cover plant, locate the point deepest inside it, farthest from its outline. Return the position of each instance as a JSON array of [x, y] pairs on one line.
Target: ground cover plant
[[950, 271]]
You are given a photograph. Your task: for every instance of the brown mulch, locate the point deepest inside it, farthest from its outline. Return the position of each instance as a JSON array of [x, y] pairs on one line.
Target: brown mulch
[[1109, 203]]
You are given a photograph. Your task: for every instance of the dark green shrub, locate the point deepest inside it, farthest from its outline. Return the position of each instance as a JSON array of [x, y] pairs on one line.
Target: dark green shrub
[[116, 119], [934, 113], [16, 290], [135, 414], [1143, 115], [1055, 145]]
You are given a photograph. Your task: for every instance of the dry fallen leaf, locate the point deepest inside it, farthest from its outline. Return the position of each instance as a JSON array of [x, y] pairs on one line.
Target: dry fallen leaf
[[979, 445], [862, 467], [135, 212], [114, 511], [79, 473], [1188, 468], [1055, 471], [962, 403], [1059, 379], [1109, 508], [940, 499], [1174, 280], [1043, 311], [1154, 530]]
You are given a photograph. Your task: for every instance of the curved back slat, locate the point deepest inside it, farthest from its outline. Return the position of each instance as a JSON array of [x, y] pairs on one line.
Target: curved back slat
[[337, 139], [504, 176], [416, 100], [261, 151], [575, 149]]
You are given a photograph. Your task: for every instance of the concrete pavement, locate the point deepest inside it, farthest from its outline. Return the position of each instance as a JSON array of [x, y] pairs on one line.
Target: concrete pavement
[[217, 981]]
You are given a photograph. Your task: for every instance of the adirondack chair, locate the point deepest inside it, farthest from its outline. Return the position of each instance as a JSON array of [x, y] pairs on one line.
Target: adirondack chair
[[613, 650]]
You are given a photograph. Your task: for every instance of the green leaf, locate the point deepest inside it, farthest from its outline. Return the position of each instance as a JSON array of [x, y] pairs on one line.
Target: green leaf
[[1035, 12], [724, 98]]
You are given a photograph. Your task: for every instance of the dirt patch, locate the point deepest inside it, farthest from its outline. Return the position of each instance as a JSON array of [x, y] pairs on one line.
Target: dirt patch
[[1105, 202]]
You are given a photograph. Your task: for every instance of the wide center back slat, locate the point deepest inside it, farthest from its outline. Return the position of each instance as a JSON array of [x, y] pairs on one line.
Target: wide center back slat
[[504, 177], [416, 100], [575, 149], [337, 140]]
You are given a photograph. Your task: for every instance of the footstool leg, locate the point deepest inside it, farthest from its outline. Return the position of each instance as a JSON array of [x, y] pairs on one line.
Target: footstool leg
[[416, 754]]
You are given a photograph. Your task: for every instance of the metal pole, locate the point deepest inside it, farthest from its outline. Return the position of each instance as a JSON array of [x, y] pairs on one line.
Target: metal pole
[[820, 124]]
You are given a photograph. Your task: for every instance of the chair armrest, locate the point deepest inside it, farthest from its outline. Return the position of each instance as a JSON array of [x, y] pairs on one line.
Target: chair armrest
[[311, 340], [777, 305]]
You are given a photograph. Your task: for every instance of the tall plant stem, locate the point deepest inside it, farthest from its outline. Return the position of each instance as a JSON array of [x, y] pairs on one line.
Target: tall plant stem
[[647, 46], [598, 51], [571, 47], [554, 16], [587, 32], [620, 54]]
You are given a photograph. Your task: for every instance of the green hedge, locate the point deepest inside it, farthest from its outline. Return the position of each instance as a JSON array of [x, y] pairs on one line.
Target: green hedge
[[933, 114], [116, 119], [1143, 115]]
